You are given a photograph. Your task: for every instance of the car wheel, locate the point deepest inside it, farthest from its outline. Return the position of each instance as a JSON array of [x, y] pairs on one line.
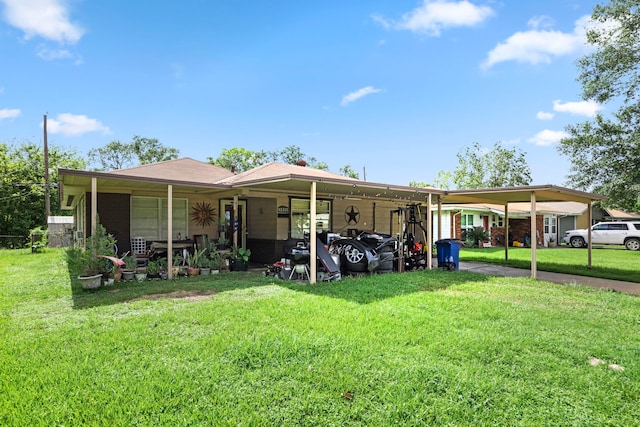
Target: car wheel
[[577, 242], [352, 255], [632, 244]]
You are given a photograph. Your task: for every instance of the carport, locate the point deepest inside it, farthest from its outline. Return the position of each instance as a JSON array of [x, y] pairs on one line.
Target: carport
[[531, 194]]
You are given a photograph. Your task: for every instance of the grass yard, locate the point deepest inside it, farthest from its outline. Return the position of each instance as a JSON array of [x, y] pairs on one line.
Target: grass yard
[[420, 348], [608, 262]]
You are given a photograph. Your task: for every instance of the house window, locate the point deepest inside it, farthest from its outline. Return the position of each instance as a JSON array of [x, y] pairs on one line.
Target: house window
[[301, 217], [466, 220], [149, 217]]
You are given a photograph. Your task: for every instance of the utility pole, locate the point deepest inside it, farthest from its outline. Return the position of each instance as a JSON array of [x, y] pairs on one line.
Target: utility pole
[[47, 204]]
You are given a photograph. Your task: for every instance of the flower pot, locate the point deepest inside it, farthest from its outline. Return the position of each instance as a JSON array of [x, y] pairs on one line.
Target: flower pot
[[90, 282], [205, 271], [238, 265], [193, 271], [128, 274], [141, 277]]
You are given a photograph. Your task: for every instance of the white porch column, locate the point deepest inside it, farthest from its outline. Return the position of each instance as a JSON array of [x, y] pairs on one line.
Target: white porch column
[[534, 237], [94, 205], [170, 231], [429, 241], [312, 237], [439, 218], [235, 220]]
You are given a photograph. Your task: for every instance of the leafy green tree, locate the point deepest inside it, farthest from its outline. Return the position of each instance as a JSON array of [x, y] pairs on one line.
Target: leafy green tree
[[140, 151], [347, 170], [242, 159], [149, 150], [22, 184], [481, 168], [292, 153], [115, 155], [605, 152]]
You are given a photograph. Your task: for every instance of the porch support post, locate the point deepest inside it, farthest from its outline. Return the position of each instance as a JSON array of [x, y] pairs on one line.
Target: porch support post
[[235, 220], [534, 237], [94, 205], [590, 216], [312, 237], [170, 231], [429, 241], [439, 218], [506, 232]]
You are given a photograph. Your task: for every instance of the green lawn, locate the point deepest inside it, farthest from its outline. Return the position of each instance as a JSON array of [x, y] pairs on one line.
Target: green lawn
[[609, 262], [420, 348]]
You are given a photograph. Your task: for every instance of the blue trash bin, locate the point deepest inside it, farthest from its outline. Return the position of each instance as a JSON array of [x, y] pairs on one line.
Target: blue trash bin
[[448, 253]]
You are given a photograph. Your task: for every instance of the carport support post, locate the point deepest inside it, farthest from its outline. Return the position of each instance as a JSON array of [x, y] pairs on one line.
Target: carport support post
[[312, 237], [506, 232], [590, 216], [170, 231], [534, 237], [235, 220]]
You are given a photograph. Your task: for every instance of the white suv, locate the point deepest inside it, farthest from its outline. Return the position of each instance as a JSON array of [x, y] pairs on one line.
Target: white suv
[[607, 233]]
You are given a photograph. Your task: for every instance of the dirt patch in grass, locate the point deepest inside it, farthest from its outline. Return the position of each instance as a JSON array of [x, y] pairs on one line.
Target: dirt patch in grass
[[193, 296]]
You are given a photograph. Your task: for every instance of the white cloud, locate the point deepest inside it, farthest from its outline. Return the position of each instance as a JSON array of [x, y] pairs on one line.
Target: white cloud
[[543, 115], [74, 125], [434, 15], [53, 54], [539, 46], [354, 96], [548, 137], [48, 19], [581, 108], [9, 113]]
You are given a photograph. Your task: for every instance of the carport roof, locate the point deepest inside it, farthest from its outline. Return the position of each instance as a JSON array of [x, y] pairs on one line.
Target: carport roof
[[505, 195]]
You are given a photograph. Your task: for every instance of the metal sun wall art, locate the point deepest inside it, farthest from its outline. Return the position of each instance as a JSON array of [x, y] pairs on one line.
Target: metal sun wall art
[[203, 214]]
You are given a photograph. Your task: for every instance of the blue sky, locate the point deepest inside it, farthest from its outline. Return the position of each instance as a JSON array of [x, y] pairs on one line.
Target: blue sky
[[395, 88]]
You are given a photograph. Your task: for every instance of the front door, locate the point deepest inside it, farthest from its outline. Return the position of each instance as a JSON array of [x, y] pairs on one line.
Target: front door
[[550, 228], [234, 223]]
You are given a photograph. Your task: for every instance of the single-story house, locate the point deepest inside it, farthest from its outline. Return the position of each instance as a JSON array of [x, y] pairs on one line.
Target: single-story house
[[263, 207]]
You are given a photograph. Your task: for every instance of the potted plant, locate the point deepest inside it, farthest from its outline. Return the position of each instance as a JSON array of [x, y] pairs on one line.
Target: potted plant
[[552, 242], [153, 270], [218, 262], [205, 265], [92, 265], [162, 264], [193, 260], [130, 264], [239, 258], [92, 269]]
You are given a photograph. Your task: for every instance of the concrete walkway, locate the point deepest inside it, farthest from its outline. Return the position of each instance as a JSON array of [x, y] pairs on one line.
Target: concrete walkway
[[564, 279]]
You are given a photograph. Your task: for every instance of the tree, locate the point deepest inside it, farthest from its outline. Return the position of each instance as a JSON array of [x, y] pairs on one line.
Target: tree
[[292, 153], [22, 185], [149, 150], [347, 170], [500, 167], [115, 155], [241, 159], [140, 151], [605, 152]]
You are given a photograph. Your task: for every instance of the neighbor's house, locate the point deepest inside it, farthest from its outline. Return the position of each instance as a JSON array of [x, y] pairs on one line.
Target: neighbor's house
[[552, 218], [263, 207]]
